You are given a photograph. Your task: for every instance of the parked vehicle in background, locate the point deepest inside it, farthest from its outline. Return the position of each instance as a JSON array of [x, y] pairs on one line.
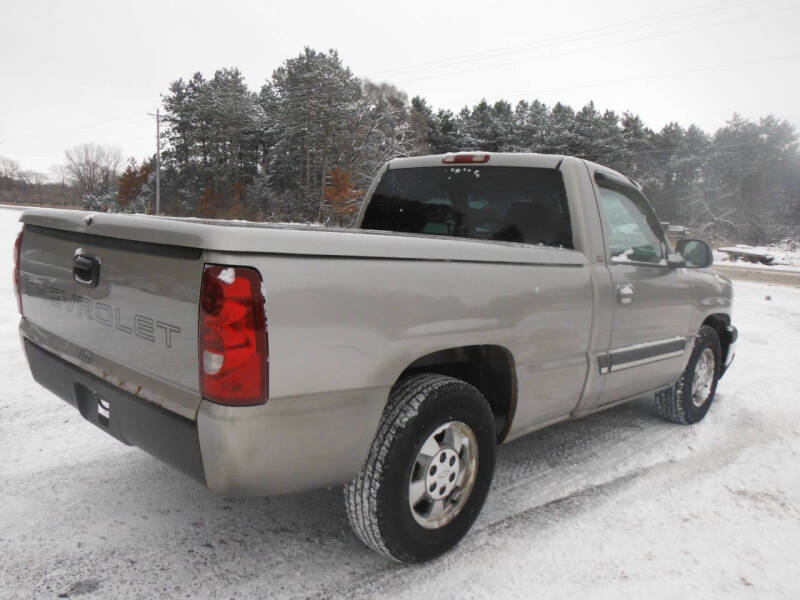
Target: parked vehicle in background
[[748, 254], [481, 297]]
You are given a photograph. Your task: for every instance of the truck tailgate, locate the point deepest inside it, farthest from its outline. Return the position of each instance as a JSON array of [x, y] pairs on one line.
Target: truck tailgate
[[134, 325]]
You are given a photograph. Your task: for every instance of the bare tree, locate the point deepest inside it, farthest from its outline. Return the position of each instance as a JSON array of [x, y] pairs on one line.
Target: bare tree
[[60, 174], [93, 167], [32, 178], [9, 168]]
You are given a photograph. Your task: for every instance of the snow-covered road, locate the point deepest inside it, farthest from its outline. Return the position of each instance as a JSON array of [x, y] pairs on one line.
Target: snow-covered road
[[619, 504]]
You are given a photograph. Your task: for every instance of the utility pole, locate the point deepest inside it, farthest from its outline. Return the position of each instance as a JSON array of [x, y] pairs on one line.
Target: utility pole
[[158, 159]]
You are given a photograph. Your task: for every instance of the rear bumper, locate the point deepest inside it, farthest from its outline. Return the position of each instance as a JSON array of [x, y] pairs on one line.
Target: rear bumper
[[286, 445], [732, 335], [132, 420]]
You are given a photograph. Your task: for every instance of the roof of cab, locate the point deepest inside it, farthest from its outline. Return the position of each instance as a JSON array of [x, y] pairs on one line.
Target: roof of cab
[[500, 159]]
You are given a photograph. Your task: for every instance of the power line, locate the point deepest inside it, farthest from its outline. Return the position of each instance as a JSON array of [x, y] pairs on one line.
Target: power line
[[79, 129], [307, 90], [560, 40], [659, 75], [311, 88], [597, 47]]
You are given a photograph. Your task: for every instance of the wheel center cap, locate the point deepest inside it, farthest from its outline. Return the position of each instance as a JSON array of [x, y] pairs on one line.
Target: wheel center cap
[[442, 474]]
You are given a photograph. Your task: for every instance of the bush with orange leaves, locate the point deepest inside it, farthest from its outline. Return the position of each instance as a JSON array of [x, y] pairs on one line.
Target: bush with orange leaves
[[341, 196]]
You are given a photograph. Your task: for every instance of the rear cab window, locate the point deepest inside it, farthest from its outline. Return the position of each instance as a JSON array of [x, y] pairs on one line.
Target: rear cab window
[[510, 204]]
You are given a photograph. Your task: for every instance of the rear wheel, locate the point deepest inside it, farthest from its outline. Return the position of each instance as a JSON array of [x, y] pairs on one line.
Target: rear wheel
[[690, 398], [428, 471]]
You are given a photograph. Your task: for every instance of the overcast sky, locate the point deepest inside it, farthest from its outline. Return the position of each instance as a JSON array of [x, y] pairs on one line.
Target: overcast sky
[[79, 71]]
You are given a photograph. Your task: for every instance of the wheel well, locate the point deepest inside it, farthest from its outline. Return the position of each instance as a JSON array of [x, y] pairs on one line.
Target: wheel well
[[488, 368], [720, 322]]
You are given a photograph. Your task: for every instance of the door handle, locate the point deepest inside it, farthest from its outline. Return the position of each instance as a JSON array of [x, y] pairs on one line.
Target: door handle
[[625, 293], [86, 269]]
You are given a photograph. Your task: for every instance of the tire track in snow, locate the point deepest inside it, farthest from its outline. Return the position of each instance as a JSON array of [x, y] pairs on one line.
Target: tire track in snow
[[544, 514]]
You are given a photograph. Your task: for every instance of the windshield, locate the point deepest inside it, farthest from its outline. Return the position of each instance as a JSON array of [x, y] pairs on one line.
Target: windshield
[[512, 204]]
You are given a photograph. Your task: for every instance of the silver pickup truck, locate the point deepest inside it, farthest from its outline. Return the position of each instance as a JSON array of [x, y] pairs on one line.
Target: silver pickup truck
[[479, 298]]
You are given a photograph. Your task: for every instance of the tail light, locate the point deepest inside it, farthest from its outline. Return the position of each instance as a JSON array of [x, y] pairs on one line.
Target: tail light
[[17, 257], [232, 336], [466, 157]]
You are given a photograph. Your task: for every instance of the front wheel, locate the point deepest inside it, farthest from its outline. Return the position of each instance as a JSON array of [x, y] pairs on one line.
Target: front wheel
[[689, 399], [428, 471]]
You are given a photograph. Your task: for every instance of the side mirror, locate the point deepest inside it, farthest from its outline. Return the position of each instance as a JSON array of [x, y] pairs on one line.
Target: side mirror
[[696, 253]]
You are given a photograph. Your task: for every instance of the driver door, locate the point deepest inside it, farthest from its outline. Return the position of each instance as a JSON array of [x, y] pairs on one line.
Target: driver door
[[652, 304]]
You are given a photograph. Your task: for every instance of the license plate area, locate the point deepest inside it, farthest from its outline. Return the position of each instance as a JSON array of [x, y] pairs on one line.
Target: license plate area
[[101, 411]]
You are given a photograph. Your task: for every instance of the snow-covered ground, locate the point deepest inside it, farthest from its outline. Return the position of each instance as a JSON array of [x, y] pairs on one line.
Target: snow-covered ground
[[619, 504]]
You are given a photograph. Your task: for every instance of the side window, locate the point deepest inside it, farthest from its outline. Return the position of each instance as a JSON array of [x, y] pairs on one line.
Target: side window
[[632, 234]]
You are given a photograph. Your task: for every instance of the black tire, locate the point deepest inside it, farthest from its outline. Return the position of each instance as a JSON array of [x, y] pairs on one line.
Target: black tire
[[675, 404], [377, 499]]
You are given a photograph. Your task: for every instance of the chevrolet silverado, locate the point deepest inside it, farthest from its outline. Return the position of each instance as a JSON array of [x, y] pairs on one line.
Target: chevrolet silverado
[[478, 298]]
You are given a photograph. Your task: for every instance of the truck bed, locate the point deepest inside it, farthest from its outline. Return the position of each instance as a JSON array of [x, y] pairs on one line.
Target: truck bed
[[347, 311], [271, 238]]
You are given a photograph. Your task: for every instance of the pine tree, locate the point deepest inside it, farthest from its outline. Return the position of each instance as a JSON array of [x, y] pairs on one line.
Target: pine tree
[[422, 126], [446, 135]]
